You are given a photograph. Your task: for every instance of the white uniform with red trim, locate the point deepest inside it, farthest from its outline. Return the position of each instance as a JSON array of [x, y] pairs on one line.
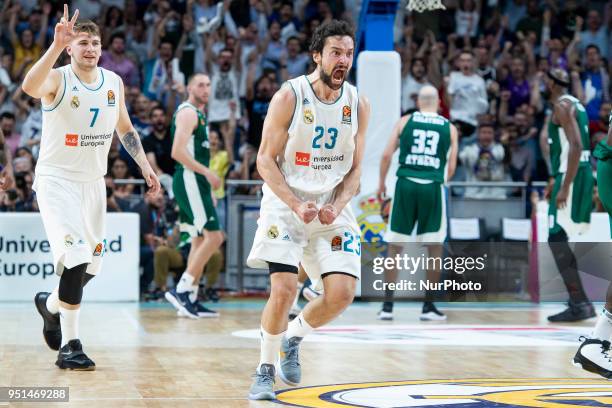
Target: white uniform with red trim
[[318, 154], [77, 131]]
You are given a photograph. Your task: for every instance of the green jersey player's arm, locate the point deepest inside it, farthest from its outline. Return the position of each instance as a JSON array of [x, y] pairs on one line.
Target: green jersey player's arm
[[186, 122], [454, 151], [565, 115], [273, 141], [347, 188], [385, 161], [130, 140]]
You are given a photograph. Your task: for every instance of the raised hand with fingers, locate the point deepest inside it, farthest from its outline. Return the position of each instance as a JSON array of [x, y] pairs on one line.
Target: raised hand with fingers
[[64, 29]]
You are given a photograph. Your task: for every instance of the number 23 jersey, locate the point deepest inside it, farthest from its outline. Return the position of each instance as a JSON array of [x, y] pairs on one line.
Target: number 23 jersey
[[321, 142]]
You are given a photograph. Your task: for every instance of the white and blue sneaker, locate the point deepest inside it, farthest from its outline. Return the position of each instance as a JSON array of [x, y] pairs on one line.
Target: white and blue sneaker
[[289, 365], [202, 311], [594, 355], [263, 383], [181, 302]]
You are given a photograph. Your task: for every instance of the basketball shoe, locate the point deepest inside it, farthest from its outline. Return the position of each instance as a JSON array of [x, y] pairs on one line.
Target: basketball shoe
[[594, 356], [52, 331], [72, 357], [574, 312], [431, 313], [263, 383], [289, 364]]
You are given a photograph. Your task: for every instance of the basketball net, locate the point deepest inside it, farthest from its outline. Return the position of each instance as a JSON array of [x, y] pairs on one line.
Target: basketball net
[[422, 5]]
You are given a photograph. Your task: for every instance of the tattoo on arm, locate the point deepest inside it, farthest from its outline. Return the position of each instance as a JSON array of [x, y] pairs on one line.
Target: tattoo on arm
[[131, 142]]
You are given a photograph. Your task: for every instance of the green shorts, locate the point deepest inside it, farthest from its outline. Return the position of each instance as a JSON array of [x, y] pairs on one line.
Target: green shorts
[[417, 205], [575, 218], [194, 198], [604, 186]]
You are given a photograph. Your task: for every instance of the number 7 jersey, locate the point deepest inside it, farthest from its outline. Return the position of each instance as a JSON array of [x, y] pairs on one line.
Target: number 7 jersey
[[78, 127], [321, 141], [424, 146]]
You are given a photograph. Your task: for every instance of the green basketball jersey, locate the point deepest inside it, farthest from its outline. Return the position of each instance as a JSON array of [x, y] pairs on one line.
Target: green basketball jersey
[[559, 145], [424, 147], [198, 146]]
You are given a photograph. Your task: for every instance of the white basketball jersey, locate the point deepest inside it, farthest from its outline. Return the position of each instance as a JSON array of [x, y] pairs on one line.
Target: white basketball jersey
[[78, 127], [321, 142]]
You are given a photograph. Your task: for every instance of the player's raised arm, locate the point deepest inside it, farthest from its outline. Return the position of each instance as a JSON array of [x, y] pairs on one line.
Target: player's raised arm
[[454, 152], [347, 188], [565, 115], [385, 160], [131, 141], [273, 141], [42, 81], [186, 122]]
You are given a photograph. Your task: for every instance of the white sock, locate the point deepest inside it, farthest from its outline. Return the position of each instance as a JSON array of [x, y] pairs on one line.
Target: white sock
[[53, 302], [270, 347], [193, 293], [603, 327], [69, 322], [297, 295], [299, 327], [185, 283]]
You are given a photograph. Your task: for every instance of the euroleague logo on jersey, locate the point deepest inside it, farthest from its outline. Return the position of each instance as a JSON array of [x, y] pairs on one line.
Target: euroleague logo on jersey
[[111, 97], [302, 159], [346, 115]]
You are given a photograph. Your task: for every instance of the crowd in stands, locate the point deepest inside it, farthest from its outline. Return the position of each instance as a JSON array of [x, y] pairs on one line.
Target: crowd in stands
[[487, 59]]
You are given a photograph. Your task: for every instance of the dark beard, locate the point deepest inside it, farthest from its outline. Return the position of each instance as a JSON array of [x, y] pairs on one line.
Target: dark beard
[[327, 80]]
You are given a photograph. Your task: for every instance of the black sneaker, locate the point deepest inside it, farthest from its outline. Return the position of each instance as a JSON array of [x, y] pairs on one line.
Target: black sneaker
[[593, 356], [52, 331], [212, 295], [71, 357], [431, 313], [574, 312]]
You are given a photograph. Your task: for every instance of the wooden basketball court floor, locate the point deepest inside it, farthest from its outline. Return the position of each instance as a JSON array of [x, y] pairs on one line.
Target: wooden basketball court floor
[[147, 357]]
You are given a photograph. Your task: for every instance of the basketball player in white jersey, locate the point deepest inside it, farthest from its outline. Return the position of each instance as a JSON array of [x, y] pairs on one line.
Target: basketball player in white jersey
[[310, 159], [82, 107]]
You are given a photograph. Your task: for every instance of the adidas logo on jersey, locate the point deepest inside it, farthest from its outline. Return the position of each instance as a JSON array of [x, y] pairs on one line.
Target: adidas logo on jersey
[[305, 102], [74, 88], [286, 237]]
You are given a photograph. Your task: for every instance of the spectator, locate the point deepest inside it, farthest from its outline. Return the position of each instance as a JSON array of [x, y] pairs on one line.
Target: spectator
[[258, 97], [412, 82], [120, 171], [224, 71], [25, 195], [116, 60], [220, 163], [113, 25], [6, 167], [27, 48], [153, 228], [466, 95], [136, 40], [601, 124], [158, 144], [162, 76], [484, 161], [596, 34], [31, 129], [140, 115], [595, 82], [297, 60], [532, 22], [467, 18], [519, 156], [11, 137]]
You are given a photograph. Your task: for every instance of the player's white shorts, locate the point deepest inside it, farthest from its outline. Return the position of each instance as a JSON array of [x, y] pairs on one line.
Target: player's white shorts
[[73, 214], [282, 237]]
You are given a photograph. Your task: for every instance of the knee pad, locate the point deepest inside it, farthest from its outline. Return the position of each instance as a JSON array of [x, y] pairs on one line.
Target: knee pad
[[71, 285], [279, 267]]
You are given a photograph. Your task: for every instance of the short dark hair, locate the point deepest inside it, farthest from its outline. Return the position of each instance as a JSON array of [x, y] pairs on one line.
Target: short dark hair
[[331, 29], [486, 125], [7, 115], [118, 34], [156, 107], [592, 46]]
